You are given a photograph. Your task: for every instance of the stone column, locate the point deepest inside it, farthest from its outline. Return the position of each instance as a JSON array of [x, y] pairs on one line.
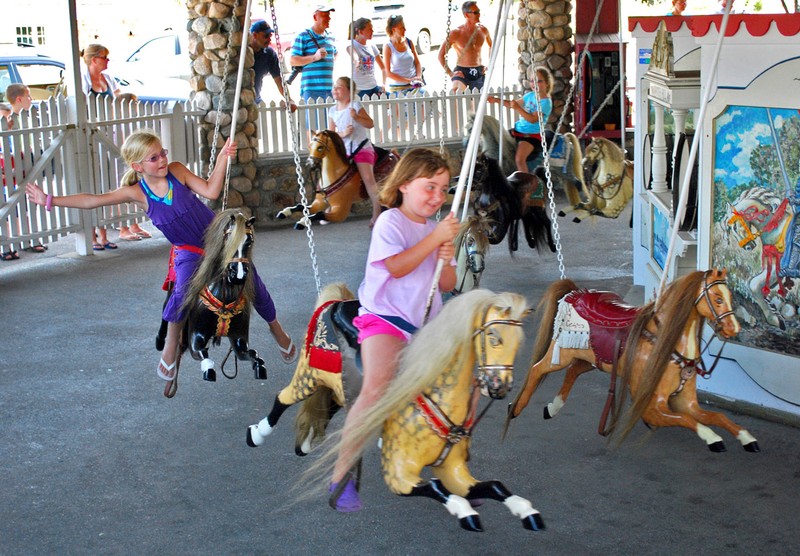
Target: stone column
[[215, 33], [545, 39]]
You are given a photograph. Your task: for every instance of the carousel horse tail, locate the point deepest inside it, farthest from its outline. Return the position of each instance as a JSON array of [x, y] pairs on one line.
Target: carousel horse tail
[[573, 194], [548, 307], [538, 232], [312, 419]]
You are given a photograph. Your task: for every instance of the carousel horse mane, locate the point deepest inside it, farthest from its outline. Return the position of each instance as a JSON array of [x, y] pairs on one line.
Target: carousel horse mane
[[421, 362], [673, 310], [479, 225], [761, 194], [219, 249], [337, 290], [493, 182], [338, 143]]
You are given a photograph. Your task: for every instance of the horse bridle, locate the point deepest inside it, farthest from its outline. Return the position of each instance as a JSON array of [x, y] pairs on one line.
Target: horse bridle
[[485, 370], [704, 295], [248, 235]]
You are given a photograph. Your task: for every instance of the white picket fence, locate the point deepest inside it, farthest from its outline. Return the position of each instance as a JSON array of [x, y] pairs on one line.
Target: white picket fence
[[49, 148]]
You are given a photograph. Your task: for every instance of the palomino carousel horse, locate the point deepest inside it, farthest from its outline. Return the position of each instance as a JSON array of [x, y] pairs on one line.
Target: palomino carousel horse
[[507, 201], [219, 297], [759, 213], [472, 244], [340, 183], [658, 346], [428, 412], [611, 186]]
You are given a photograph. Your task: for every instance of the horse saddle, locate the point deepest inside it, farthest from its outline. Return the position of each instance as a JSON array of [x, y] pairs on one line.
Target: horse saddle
[[386, 161], [529, 188], [609, 321], [332, 339]]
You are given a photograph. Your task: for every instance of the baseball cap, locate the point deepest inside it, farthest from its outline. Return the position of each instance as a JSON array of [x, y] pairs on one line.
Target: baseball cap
[[324, 8], [260, 27]]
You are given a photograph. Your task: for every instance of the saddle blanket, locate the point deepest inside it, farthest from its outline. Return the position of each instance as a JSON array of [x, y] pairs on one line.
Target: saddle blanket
[[592, 319]]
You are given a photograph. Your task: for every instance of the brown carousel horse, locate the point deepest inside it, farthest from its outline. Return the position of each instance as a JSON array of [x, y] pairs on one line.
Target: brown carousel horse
[[340, 183], [611, 186], [428, 412], [658, 346]]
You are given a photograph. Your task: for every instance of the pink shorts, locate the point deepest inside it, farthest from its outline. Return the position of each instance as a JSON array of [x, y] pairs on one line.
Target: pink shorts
[[372, 325], [366, 155]]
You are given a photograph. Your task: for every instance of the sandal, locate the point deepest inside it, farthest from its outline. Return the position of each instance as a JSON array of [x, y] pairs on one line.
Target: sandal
[[166, 372], [143, 234], [109, 245], [9, 256], [344, 496], [97, 247], [36, 248], [289, 353]]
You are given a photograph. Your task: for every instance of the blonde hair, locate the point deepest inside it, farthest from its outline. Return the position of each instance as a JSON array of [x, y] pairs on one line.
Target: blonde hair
[[545, 74], [415, 163], [134, 149], [93, 51]]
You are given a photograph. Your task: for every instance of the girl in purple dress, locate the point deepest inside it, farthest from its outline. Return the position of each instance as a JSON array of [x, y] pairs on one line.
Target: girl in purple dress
[[167, 191]]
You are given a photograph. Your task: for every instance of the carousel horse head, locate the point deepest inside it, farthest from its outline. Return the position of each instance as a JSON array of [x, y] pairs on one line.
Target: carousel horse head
[[713, 301], [323, 144], [749, 214], [490, 138], [229, 239], [472, 244], [495, 199], [600, 147]]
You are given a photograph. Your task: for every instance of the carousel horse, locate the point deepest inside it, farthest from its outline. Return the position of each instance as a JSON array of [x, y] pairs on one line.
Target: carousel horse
[[507, 201], [657, 346], [340, 183], [564, 153], [472, 244], [611, 185], [428, 412], [760, 213], [219, 297]]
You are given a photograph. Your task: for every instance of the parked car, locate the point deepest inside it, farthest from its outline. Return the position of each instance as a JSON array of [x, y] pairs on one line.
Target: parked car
[[165, 55], [426, 27], [45, 77]]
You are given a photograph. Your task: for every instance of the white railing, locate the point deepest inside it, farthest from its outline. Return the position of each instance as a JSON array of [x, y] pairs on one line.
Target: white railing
[[399, 121], [45, 147]]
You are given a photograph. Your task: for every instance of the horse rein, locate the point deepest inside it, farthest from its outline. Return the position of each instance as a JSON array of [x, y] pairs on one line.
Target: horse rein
[[704, 295], [483, 367]]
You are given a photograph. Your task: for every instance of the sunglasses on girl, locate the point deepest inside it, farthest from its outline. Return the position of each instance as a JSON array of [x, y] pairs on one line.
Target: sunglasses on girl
[[156, 157]]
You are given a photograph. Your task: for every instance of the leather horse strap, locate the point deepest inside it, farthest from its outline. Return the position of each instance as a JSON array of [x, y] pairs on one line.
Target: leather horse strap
[[442, 425], [612, 391], [224, 311]]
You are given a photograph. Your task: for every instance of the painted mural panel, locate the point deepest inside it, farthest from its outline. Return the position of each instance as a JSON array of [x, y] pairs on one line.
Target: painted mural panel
[[756, 227]]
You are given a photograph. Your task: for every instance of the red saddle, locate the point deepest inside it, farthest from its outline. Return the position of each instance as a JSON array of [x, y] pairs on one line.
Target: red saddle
[[609, 321]]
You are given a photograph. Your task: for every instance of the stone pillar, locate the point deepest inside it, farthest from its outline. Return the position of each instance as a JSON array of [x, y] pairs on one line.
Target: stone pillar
[[215, 33], [544, 36]]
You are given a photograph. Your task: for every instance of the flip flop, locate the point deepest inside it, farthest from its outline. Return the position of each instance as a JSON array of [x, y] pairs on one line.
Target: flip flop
[[36, 248], [97, 247], [165, 371], [9, 256], [289, 354], [109, 245]]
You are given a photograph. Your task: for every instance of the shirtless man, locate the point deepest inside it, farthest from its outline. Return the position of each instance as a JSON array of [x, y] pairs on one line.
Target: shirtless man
[[468, 41]]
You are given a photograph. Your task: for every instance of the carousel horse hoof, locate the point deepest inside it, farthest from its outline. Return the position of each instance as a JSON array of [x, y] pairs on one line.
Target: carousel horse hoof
[[299, 226], [345, 499], [562, 213], [471, 523], [259, 369], [576, 220], [254, 438], [210, 375], [510, 411], [717, 447], [298, 451], [160, 341], [751, 447], [281, 215], [547, 413], [533, 522]]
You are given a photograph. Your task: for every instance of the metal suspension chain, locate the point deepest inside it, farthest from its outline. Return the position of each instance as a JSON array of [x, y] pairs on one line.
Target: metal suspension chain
[[444, 85], [295, 132], [546, 157]]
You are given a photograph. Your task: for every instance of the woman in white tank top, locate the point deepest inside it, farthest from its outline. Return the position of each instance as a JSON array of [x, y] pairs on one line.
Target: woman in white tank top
[[403, 70]]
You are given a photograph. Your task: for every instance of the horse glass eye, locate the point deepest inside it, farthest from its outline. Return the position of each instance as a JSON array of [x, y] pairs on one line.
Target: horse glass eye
[[495, 340]]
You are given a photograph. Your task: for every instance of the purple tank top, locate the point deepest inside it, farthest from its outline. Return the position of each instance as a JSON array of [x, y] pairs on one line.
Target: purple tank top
[[180, 215]]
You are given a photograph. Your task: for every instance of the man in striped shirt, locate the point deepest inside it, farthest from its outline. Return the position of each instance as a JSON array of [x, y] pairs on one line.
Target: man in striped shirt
[[315, 50]]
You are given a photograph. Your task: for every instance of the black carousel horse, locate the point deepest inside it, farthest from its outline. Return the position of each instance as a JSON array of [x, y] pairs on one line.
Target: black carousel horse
[[219, 297], [506, 201]]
